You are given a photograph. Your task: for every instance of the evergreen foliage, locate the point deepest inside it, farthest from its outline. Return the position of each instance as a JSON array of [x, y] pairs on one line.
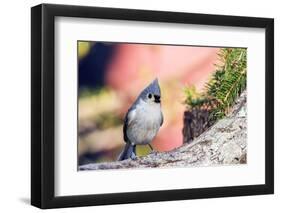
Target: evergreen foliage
[[225, 85]]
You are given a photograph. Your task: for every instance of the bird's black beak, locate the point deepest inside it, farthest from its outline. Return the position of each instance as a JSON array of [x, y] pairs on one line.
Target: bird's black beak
[[157, 99]]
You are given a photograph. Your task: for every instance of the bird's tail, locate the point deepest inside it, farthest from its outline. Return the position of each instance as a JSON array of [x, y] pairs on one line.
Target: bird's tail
[[128, 152]]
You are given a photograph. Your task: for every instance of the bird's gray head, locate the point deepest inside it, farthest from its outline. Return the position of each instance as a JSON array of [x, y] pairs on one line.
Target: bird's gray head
[[152, 93]]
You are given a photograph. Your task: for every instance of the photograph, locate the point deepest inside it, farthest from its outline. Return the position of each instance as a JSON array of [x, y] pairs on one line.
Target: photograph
[[139, 105], [160, 105]]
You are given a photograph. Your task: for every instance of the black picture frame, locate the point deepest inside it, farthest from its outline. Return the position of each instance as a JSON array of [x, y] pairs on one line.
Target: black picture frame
[[43, 105]]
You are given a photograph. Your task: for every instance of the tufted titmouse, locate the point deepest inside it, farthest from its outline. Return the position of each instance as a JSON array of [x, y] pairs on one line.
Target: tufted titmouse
[[142, 120]]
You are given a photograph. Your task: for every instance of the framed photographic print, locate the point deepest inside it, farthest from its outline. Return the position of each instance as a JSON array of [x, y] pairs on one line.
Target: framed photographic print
[[140, 106]]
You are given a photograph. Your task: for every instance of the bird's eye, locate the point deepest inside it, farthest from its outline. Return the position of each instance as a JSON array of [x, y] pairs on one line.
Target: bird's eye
[[149, 96]]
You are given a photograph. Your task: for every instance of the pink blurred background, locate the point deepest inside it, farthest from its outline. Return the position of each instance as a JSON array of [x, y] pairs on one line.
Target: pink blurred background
[[174, 66], [131, 67]]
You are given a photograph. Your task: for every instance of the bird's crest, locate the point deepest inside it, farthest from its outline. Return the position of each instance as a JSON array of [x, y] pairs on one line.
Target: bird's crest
[[153, 88]]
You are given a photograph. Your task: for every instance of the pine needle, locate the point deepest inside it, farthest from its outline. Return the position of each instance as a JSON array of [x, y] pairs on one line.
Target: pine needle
[[225, 85]]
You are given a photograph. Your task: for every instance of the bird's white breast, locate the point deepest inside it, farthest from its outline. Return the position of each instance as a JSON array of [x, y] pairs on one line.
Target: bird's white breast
[[146, 120], [151, 112]]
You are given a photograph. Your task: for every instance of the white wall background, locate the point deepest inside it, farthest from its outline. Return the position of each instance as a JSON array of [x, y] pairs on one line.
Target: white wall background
[[15, 105]]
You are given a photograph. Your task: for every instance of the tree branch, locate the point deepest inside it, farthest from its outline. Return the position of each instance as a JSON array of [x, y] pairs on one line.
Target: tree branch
[[223, 143]]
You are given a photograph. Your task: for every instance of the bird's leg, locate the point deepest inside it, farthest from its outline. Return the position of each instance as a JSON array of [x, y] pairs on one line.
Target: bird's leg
[[151, 148]]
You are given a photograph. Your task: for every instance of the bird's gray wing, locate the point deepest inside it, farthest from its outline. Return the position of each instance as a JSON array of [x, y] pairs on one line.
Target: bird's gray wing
[[127, 121], [162, 119]]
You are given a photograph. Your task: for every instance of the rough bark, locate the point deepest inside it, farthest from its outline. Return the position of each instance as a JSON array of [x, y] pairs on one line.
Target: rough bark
[[223, 143]]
